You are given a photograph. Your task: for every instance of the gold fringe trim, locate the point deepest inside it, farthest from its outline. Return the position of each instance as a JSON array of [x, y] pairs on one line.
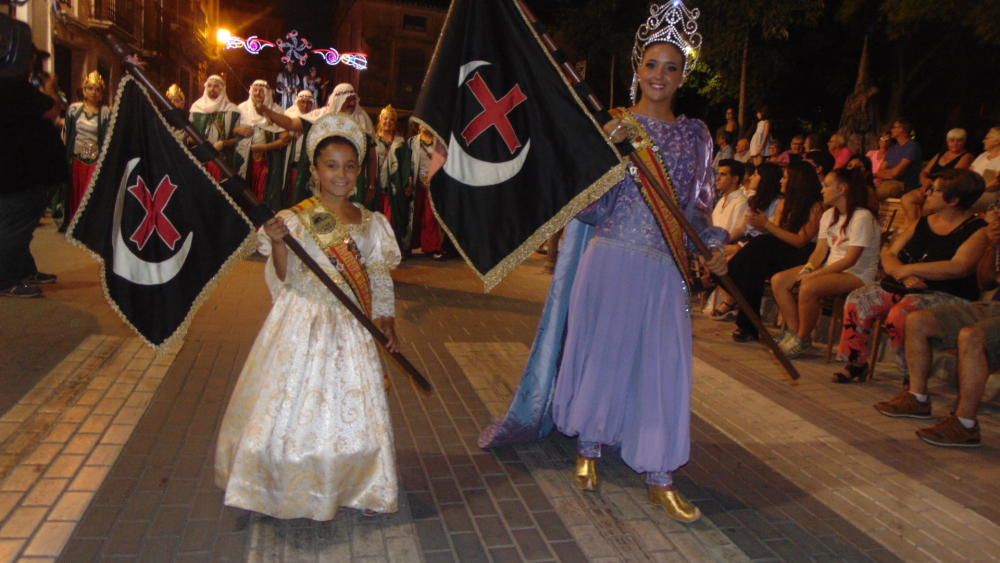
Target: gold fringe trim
[[612, 177], [244, 249]]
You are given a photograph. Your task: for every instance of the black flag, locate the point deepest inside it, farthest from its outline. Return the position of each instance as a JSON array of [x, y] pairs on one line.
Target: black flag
[[162, 228], [523, 153]]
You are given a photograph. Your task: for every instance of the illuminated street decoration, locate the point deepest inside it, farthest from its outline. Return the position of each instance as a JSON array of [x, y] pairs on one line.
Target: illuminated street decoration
[[251, 44], [294, 49], [333, 57]]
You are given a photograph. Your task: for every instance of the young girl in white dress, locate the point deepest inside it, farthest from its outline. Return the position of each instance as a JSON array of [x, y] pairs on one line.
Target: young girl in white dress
[[307, 429]]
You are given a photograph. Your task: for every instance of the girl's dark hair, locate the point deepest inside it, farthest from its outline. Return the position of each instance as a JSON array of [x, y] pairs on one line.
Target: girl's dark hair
[[769, 188], [764, 112], [802, 192], [334, 140], [855, 197]]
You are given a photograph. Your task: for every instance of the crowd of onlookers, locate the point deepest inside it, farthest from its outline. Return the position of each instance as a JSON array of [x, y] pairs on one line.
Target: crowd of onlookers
[[900, 241]]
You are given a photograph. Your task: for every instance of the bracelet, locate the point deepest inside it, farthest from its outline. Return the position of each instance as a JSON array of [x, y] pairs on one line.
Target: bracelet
[[615, 130]]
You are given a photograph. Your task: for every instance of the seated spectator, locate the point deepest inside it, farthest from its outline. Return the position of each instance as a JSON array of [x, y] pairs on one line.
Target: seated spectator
[[730, 210], [845, 258], [838, 150], [974, 328], [864, 167], [775, 157], [724, 152], [822, 161], [813, 142], [742, 151], [784, 242], [931, 263], [987, 165], [795, 152], [901, 171], [763, 194], [877, 156], [955, 157]]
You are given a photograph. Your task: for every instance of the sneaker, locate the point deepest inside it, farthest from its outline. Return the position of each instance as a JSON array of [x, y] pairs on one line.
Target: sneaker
[[40, 278], [793, 346], [21, 290], [950, 433], [905, 405]]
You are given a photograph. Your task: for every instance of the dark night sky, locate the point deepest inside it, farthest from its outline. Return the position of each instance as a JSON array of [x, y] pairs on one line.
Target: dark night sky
[[313, 18]]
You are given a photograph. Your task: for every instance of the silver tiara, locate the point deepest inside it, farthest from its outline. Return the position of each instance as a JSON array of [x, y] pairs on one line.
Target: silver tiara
[[673, 23]]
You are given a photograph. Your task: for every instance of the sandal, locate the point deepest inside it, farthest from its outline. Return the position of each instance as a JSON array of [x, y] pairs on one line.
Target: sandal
[[850, 373], [724, 312]]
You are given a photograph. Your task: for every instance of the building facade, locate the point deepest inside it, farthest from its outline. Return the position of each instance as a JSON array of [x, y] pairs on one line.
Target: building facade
[[399, 38], [173, 37]]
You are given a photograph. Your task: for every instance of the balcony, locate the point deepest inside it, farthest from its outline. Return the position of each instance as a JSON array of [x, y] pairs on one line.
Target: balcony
[[120, 16]]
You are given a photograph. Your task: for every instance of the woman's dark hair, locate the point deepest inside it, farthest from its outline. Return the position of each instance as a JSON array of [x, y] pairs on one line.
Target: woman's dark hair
[[965, 186], [334, 140], [855, 197], [764, 112], [802, 192], [769, 188]]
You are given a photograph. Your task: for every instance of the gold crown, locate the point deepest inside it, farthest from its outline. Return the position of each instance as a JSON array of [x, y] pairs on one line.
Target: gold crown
[[94, 78], [174, 91], [336, 125]]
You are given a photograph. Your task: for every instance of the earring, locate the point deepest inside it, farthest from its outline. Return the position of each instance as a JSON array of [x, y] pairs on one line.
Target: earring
[[634, 89]]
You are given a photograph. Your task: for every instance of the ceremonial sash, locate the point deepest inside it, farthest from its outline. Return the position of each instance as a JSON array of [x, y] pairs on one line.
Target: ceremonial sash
[[336, 242], [647, 152]]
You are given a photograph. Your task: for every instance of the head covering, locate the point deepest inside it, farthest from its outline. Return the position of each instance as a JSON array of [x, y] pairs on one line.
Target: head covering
[[94, 78], [387, 111], [293, 110], [174, 91], [204, 104], [336, 101], [248, 111], [336, 125], [671, 22]]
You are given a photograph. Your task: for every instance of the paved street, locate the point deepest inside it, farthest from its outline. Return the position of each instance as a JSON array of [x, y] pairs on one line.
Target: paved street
[[108, 446]]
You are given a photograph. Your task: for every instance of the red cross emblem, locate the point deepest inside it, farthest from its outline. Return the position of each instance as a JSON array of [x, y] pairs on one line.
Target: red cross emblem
[[494, 113], [154, 221]]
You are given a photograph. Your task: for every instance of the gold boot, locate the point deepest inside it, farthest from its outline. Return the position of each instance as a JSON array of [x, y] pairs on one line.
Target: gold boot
[[585, 475], [674, 503]]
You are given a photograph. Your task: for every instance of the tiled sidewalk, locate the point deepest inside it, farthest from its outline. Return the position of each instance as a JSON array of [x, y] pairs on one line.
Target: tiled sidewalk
[[795, 473]]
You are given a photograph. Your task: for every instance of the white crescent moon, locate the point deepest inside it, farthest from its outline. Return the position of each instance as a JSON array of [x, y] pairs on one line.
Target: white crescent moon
[[470, 170], [129, 266]]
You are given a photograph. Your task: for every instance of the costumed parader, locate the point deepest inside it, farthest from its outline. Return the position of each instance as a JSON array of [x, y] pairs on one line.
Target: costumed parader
[[307, 429], [175, 95], [315, 83], [296, 161], [287, 84], [394, 187], [615, 339], [218, 121], [344, 99], [85, 128], [264, 150], [425, 231]]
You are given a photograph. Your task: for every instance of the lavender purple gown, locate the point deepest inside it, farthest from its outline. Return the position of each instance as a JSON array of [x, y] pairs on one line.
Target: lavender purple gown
[[611, 362]]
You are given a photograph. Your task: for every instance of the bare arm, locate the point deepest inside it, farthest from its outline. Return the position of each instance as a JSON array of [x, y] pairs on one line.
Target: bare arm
[[894, 172], [850, 259], [803, 236], [890, 256], [281, 120]]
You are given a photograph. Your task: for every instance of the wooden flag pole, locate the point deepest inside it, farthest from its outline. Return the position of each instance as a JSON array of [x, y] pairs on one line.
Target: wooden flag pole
[[675, 210], [260, 213]]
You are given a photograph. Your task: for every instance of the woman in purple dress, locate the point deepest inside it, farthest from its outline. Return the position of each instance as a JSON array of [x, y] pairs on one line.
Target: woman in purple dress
[[625, 376]]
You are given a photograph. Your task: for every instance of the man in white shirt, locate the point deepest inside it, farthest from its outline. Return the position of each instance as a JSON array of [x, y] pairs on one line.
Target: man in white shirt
[[732, 206]]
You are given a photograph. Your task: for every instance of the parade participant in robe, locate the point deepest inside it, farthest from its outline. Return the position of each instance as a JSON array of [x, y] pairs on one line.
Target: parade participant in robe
[[622, 354], [286, 85], [265, 148], [85, 129], [297, 162], [307, 429], [394, 186], [426, 233], [218, 121]]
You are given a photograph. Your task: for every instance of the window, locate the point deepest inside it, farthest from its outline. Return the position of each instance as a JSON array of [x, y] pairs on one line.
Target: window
[[414, 23]]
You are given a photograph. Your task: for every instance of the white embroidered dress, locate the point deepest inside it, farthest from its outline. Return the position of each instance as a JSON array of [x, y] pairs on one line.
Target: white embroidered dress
[[307, 429]]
